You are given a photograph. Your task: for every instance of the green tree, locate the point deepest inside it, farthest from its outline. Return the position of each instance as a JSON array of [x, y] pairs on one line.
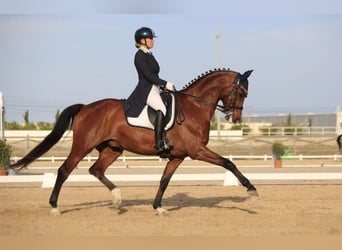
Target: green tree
[[288, 122], [289, 130], [28, 125], [243, 127], [213, 123], [57, 115], [44, 126], [12, 126], [26, 117]]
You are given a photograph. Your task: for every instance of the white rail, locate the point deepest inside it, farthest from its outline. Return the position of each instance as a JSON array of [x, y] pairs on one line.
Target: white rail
[[228, 179], [89, 158]]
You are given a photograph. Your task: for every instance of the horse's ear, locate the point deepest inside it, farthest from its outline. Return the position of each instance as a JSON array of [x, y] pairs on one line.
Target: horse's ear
[[247, 74]]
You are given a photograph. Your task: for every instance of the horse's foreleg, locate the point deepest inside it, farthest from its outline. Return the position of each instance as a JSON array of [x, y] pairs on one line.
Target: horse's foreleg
[[107, 156], [227, 164], [164, 182], [206, 155]]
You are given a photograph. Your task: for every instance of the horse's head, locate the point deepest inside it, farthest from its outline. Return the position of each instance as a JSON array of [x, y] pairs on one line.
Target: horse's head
[[233, 102]]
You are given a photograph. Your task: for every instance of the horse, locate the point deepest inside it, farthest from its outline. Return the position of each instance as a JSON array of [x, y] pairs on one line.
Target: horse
[[339, 142], [102, 125]]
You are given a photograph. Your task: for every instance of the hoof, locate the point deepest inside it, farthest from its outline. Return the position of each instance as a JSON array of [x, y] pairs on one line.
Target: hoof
[[55, 212], [162, 211], [253, 193], [116, 198]]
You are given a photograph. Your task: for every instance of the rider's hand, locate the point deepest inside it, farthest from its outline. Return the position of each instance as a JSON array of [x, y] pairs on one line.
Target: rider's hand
[[170, 86]]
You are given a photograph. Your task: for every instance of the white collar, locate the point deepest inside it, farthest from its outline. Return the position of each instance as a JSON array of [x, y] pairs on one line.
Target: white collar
[[145, 50]]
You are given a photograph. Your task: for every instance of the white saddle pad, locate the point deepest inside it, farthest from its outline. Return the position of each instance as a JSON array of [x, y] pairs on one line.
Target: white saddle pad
[[143, 120]]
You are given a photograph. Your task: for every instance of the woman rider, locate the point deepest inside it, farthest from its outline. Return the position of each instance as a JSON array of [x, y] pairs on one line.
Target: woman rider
[[147, 90]]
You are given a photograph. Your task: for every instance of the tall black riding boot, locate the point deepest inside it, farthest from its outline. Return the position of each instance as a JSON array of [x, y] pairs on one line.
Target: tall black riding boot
[[162, 144]]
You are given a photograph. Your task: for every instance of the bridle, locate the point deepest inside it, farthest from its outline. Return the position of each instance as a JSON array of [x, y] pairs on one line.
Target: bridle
[[229, 109]]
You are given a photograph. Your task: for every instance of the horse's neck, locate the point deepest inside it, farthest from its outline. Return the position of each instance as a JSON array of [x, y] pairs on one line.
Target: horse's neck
[[206, 89], [204, 94]]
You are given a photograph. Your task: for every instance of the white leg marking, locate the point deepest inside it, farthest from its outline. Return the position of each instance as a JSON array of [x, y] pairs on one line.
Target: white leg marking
[[162, 211], [116, 197], [55, 212]]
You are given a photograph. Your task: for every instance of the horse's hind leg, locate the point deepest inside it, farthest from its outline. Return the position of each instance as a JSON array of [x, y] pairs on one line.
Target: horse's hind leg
[[107, 156], [164, 182], [63, 173]]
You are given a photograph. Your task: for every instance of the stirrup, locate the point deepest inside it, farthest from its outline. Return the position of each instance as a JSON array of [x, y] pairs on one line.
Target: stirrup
[[165, 154], [162, 151]]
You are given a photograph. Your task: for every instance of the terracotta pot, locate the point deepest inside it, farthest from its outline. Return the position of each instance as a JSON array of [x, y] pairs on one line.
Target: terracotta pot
[[278, 163], [3, 172]]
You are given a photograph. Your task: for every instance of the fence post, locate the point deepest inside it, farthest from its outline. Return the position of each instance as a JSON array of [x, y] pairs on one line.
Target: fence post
[[27, 141]]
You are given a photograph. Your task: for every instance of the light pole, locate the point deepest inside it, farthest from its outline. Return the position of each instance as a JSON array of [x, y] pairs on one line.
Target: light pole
[[218, 65]]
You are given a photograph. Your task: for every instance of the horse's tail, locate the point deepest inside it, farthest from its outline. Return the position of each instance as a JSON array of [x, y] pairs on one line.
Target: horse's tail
[[62, 124]]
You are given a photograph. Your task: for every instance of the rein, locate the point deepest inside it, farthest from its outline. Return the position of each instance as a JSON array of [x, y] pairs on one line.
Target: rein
[[218, 107], [221, 108]]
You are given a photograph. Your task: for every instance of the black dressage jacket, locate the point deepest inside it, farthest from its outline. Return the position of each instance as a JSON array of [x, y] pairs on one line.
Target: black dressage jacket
[[148, 69]]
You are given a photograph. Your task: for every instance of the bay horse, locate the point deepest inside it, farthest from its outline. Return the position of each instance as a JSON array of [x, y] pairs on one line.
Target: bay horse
[[102, 125]]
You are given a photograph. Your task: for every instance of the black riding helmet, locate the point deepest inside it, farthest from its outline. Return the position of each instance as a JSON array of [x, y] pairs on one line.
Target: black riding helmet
[[143, 32]]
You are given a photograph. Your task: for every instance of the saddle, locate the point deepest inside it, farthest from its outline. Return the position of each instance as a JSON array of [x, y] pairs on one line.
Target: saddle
[[147, 117]]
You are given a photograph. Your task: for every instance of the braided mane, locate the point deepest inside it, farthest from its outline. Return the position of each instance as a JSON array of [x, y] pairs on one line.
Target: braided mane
[[205, 74]]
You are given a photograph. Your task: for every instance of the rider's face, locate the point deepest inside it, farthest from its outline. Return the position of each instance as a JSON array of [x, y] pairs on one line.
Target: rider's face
[[148, 42]]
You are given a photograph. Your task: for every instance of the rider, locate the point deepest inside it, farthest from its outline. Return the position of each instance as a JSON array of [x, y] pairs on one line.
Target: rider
[[148, 89]]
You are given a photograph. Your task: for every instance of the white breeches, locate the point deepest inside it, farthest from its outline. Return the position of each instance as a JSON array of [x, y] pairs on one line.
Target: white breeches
[[154, 100]]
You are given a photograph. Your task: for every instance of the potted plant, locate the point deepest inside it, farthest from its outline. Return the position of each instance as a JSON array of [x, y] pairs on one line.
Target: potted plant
[[5, 155], [278, 150]]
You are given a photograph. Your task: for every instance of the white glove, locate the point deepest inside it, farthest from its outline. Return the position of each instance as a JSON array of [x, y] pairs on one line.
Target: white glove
[[170, 86]]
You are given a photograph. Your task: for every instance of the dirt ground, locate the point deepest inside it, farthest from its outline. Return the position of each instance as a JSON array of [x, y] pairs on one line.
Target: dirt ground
[[280, 210]]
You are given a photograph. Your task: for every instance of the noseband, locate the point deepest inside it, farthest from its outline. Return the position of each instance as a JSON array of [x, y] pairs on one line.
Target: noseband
[[229, 109]]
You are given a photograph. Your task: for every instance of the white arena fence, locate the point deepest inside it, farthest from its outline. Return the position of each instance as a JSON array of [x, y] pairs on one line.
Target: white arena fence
[[296, 131], [89, 158], [214, 134], [228, 179], [47, 180]]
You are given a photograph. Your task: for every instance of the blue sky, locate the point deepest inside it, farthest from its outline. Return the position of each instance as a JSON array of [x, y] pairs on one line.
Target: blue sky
[[56, 54]]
